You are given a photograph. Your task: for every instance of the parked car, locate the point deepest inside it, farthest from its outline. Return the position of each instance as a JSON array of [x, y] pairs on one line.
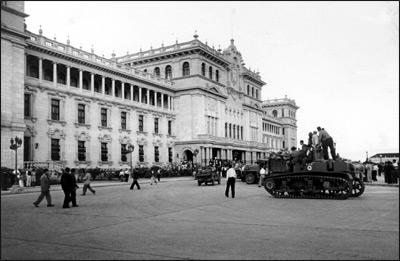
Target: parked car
[[207, 175]]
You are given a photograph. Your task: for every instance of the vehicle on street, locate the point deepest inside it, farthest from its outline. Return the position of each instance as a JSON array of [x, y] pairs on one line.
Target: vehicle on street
[[207, 175]]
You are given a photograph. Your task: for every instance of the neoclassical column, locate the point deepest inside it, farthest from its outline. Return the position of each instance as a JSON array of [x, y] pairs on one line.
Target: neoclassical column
[[131, 91], [54, 73], [103, 85], [80, 79], [68, 76], [40, 69], [123, 90], [210, 152], [140, 94], [92, 82], [201, 155], [113, 87]]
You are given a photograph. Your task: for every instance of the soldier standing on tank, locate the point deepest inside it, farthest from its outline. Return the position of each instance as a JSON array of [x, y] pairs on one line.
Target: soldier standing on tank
[[326, 141]]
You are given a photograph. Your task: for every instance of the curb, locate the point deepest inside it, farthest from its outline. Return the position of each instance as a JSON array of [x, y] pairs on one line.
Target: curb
[[93, 184]]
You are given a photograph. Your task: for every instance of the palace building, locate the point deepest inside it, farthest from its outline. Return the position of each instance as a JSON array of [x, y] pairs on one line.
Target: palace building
[[183, 101]]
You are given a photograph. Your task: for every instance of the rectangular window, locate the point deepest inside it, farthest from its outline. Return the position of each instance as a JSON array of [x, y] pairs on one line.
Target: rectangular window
[[141, 153], [156, 125], [123, 120], [81, 150], [123, 153], [226, 130], [170, 128], [103, 117], [283, 131], [81, 113], [156, 154], [104, 151], [141, 123], [169, 154], [55, 149], [55, 109], [27, 105]]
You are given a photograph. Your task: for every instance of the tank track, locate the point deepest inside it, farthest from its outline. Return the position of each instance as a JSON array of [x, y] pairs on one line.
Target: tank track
[[341, 190]]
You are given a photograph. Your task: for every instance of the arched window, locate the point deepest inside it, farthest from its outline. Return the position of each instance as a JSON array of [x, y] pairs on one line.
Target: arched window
[[157, 71], [275, 113], [210, 72], [252, 91], [168, 72], [217, 75], [203, 69], [248, 90], [185, 69], [256, 94]]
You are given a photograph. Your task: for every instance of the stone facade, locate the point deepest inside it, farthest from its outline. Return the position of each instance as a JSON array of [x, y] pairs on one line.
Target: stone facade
[[79, 109]]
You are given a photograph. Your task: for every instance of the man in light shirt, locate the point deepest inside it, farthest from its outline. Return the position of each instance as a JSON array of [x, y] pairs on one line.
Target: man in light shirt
[[230, 181], [262, 175]]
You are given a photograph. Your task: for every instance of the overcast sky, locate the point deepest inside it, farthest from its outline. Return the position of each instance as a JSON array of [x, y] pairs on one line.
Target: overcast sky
[[338, 60]]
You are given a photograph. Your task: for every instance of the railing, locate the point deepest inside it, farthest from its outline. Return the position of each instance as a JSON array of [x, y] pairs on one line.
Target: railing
[[51, 165]]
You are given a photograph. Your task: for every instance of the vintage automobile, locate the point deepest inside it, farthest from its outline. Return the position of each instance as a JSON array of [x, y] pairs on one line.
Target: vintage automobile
[[207, 175], [251, 173]]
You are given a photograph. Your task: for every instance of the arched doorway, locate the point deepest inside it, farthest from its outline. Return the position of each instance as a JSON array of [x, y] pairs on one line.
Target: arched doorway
[[188, 155]]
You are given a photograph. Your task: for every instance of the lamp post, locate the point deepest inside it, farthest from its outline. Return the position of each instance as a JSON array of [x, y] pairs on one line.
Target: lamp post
[[130, 150], [15, 144]]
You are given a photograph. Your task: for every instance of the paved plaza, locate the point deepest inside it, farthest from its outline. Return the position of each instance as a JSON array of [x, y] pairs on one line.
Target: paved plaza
[[176, 219]]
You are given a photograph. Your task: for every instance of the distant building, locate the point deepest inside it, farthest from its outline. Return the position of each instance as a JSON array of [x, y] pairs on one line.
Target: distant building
[[383, 157], [77, 109]]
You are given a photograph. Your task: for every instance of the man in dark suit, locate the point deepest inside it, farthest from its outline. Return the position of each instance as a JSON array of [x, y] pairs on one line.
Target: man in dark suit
[[68, 185]]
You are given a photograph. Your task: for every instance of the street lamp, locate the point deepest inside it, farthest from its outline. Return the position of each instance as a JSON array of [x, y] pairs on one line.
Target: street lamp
[[15, 144], [130, 149]]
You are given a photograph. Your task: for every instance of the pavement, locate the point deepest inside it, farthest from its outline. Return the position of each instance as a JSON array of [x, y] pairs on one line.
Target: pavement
[[179, 220]]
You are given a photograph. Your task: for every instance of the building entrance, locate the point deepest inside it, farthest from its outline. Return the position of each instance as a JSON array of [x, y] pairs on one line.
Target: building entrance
[[188, 155], [237, 155]]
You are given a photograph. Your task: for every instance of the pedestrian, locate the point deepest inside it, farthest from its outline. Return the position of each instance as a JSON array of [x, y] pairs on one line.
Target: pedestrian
[[374, 172], [126, 175], [153, 177], [68, 185], [86, 184], [159, 174], [326, 140], [135, 177], [28, 177], [33, 181], [230, 181], [20, 178], [121, 175], [262, 175], [44, 190]]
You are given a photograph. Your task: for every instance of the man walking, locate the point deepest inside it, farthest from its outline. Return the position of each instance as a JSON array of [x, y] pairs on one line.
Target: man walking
[[68, 185], [45, 190], [135, 177], [86, 184], [326, 141], [230, 181]]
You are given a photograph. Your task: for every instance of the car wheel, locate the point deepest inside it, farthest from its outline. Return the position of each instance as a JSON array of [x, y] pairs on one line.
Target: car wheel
[[250, 178]]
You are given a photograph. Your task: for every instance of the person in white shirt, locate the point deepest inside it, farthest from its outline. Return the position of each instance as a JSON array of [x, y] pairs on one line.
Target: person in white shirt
[[230, 181], [262, 175]]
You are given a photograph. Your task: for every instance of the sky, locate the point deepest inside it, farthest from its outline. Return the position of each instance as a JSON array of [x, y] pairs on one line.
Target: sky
[[338, 60]]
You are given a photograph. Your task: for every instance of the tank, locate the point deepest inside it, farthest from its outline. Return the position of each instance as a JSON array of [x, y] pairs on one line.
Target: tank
[[321, 179]]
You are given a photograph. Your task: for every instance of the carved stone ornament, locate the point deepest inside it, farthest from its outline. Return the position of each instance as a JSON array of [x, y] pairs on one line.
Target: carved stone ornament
[[30, 131], [84, 136], [125, 140], [141, 141], [105, 138], [56, 133]]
